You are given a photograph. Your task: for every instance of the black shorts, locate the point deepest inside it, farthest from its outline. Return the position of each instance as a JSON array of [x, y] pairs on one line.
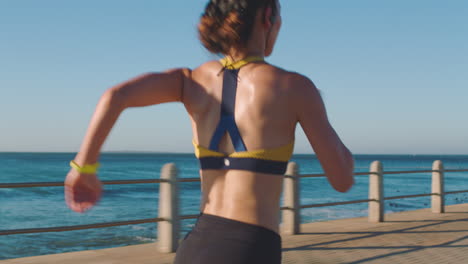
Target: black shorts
[[218, 240]]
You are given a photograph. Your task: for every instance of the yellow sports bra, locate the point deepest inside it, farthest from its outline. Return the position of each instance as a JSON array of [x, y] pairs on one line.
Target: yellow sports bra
[[272, 161]]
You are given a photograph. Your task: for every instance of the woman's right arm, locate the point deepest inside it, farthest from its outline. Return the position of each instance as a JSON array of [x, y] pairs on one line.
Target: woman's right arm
[[336, 160], [145, 90], [82, 191]]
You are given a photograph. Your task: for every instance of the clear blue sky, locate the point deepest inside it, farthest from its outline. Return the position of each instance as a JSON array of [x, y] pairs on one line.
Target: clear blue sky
[[393, 74]]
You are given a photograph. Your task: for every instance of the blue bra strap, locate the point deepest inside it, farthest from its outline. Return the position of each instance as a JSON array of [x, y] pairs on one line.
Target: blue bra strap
[[227, 122]]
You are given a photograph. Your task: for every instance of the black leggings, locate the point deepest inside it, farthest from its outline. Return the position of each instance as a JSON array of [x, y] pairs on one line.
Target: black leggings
[[218, 240]]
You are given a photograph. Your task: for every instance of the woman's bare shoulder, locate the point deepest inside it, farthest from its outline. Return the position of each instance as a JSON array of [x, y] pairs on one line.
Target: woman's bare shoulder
[[208, 67], [292, 79], [284, 73]]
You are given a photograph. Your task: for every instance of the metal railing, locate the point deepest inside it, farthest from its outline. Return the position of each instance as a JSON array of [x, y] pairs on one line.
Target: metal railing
[[169, 219], [385, 198]]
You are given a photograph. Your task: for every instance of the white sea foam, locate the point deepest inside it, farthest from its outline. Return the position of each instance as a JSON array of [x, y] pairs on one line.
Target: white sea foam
[[145, 239]]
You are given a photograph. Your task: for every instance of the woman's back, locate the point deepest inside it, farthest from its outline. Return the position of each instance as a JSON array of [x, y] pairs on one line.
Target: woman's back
[[266, 117], [241, 171]]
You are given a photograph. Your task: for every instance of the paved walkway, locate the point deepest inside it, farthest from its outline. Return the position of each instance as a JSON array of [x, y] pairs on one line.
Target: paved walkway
[[407, 237]]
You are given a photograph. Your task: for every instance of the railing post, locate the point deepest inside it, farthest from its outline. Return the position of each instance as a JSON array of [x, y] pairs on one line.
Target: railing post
[[292, 215], [437, 197], [168, 230], [376, 206]]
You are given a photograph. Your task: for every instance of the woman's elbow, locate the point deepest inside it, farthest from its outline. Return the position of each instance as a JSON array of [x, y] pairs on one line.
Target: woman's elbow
[[114, 99], [343, 179], [348, 179], [344, 184]]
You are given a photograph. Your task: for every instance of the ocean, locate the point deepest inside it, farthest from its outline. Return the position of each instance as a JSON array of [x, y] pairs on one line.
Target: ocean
[[45, 207]]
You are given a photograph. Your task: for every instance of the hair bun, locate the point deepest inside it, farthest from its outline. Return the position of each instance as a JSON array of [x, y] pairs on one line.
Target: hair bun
[[227, 24]]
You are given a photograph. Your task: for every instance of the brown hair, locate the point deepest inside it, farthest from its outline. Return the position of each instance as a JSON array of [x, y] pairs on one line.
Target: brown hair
[[227, 24]]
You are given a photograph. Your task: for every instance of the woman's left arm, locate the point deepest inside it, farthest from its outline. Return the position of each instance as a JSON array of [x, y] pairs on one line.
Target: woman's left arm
[[145, 90]]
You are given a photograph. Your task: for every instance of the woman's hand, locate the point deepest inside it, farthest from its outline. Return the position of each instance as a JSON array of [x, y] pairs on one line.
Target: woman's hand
[[82, 191]]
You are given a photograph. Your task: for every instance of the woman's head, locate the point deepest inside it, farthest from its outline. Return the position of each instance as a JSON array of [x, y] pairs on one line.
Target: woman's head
[[228, 25]]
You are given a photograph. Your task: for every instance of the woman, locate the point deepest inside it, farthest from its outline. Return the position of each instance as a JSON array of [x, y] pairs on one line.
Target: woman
[[244, 112]]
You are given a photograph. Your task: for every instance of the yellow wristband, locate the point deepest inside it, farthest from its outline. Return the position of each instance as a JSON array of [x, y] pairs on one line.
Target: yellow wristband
[[88, 169]]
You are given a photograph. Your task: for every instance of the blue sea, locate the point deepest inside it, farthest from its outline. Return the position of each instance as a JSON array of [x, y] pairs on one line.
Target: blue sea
[[45, 207]]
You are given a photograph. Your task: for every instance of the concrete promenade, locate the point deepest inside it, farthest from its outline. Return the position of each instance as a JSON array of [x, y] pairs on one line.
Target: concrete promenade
[[407, 237]]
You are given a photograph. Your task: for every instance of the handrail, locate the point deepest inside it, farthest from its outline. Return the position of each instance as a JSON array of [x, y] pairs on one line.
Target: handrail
[[193, 216], [456, 170], [78, 227], [386, 198], [30, 184], [318, 175], [369, 200], [336, 203], [454, 192], [113, 182], [409, 196], [58, 184], [385, 172], [184, 217], [408, 172], [141, 181], [189, 179]]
